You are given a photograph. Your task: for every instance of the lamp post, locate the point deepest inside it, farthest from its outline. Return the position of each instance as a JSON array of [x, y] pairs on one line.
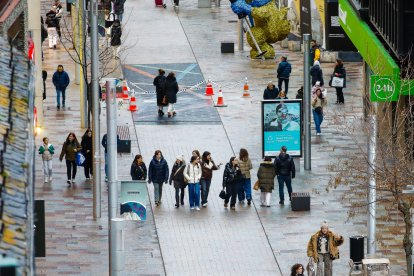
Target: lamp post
[[410, 191], [307, 101]]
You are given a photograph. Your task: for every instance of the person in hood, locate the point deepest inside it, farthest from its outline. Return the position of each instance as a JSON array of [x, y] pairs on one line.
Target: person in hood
[[340, 72], [61, 81], [283, 73], [86, 144], [138, 168], [158, 175], [285, 171], [266, 175], [171, 90], [192, 174], [116, 33], [52, 23], [177, 176], [271, 92], [47, 150], [316, 73], [207, 167], [159, 83], [231, 179]]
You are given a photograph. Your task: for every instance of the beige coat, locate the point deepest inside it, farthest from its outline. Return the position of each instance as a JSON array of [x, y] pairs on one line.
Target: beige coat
[[333, 242]]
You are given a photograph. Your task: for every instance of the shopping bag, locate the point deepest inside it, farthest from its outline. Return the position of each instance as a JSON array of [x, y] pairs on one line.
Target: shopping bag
[[311, 267], [80, 159], [337, 82], [256, 185]]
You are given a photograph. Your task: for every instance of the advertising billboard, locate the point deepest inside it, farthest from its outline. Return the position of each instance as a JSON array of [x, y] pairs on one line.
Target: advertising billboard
[[282, 126]]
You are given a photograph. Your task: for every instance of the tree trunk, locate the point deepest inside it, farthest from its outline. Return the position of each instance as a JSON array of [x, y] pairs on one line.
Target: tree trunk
[[407, 242]]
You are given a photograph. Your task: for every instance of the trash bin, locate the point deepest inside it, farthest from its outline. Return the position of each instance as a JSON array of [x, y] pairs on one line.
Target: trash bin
[[356, 244]]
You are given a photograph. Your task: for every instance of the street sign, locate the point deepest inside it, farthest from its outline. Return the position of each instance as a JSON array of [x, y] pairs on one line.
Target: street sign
[[384, 88]]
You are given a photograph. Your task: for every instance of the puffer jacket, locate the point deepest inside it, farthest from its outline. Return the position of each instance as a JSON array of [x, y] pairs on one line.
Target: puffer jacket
[[317, 75], [60, 80], [193, 173], [138, 172], [283, 70], [178, 177], [284, 165], [245, 167], [266, 176], [333, 244], [231, 175], [68, 150], [158, 170], [207, 170]]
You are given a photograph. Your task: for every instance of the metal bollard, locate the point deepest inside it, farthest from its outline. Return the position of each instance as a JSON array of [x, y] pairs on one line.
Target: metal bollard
[[117, 246]]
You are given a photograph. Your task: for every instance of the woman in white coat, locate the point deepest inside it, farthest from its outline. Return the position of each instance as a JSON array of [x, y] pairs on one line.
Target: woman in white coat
[[192, 174]]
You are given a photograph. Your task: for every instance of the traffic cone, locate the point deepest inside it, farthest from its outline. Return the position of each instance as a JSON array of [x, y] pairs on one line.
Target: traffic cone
[[125, 90], [209, 89], [246, 93], [220, 99], [133, 104]]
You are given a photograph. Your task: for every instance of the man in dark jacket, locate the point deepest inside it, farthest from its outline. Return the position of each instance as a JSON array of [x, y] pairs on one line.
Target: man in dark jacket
[[119, 8], [116, 33], [283, 73], [158, 174], [271, 92], [316, 73], [285, 170], [60, 81], [159, 83]]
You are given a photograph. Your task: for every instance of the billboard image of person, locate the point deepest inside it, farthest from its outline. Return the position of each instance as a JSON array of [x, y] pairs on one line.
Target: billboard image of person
[[281, 124]]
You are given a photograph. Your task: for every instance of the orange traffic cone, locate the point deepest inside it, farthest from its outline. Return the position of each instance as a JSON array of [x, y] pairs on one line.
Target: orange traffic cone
[[220, 99], [125, 90], [246, 93], [209, 89], [133, 104]]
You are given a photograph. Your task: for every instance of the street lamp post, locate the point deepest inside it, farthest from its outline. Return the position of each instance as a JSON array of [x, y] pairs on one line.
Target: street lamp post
[[410, 190], [307, 101]]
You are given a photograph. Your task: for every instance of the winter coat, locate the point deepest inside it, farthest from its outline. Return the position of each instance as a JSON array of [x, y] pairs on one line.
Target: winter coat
[[266, 176], [47, 152], [60, 80], [231, 175], [171, 89], [193, 173], [315, 54], [270, 94], [340, 70], [159, 83], [51, 20], [178, 177], [68, 151], [116, 33], [207, 169], [245, 167], [118, 6], [86, 144], [284, 165], [318, 102], [158, 170], [333, 244], [283, 70], [138, 172], [317, 74], [104, 142]]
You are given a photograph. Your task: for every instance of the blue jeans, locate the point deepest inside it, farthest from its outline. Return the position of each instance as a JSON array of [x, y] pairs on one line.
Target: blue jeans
[[318, 118], [194, 194], [205, 188], [245, 189], [284, 179], [58, 92]]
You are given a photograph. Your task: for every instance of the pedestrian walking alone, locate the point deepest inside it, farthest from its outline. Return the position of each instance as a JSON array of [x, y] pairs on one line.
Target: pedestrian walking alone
[[116, 33], [47, 150], [159, 83], [69, 150], [316, 73], [61, 81], [138, 168], [285, 171], [297, 270], [231, 179], [283, 73], [323, 248], [266, 176], [207, 167], [245, 189], [192, 174], [109, 20], [271, 92], [86, 145], [52, 23], [315, 52], [177, 176], [171, 90], [318, 103], [158, 175], [340, 72]]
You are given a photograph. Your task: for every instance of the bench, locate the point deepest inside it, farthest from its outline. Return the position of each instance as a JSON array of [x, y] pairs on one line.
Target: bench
[[124, 143]]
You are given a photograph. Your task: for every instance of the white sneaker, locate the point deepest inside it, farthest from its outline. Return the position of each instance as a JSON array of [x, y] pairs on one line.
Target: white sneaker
[[197, 208], [318, 134], [73, 181], [205, 205], [46, 181], [50, 178], [192, 208]]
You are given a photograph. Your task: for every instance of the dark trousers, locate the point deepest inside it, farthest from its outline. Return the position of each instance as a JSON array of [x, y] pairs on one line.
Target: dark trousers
[[279, 84], [205, 189], [88, 170], [231, 192], [284, 179], [71, 169], [179, 197], [339, 95]]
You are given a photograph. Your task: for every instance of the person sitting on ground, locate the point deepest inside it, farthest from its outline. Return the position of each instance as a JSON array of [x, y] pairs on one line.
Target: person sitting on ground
[[282, 95], [271, 92]]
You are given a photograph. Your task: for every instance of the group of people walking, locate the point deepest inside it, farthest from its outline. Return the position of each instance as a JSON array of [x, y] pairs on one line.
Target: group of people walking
[[166, 89], [53, 18]]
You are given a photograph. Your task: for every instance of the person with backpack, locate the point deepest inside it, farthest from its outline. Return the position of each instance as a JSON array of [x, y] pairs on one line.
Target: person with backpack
[[192, 175], [158, 175], [177, 176], [61, 81], [116, 33], [119, 8], [283, 73], [171, 90], [52, 25], [69, 150], [159, 83], [47, 150], [285, 171]]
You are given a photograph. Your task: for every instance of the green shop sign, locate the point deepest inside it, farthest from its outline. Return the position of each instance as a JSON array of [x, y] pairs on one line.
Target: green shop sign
[[384, 88]]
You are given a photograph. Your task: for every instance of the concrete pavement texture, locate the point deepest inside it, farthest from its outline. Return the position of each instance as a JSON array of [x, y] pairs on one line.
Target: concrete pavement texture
[[214, 241]]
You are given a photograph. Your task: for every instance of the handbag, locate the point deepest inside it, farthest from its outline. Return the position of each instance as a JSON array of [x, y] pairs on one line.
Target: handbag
[[336, 82], [311, 267], [256, 185], [80, 159], [164, 100], [223, 194], [318, 110]]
